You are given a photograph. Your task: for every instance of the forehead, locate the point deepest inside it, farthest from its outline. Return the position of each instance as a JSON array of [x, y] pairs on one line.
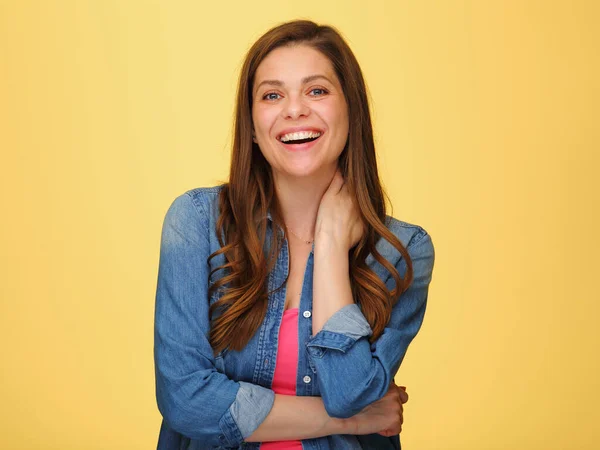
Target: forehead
[[290, 64]]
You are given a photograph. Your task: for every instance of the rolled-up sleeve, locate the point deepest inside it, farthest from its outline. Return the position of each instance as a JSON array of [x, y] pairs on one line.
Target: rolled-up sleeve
[[341, 331], [195, 399], [352, 372]]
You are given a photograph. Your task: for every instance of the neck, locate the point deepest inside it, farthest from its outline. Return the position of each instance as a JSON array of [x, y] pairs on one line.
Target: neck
[[299, 199]]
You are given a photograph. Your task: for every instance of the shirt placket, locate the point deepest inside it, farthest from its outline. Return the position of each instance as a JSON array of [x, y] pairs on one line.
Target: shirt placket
[[306, 380], [266, 355]]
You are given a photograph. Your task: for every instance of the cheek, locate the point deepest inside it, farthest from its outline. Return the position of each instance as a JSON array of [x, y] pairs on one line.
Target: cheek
[[337, 115], [263, 119], [344, 115]]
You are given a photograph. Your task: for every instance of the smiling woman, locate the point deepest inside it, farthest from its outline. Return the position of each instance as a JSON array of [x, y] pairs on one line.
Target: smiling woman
[[287, 297], [297, 84]]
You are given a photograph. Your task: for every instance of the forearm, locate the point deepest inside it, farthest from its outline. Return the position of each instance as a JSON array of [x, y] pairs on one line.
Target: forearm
[[337, 348], [298, 418], [331, 282]]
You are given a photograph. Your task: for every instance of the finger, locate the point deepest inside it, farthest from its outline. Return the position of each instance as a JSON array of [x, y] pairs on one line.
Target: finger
[[404, 390], [403, 395]]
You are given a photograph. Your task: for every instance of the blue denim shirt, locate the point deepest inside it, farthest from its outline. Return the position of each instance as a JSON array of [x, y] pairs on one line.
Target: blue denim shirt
[[210, 402]]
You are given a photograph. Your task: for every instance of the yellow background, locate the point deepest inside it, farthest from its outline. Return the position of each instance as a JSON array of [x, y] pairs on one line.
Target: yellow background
[[486, 120]]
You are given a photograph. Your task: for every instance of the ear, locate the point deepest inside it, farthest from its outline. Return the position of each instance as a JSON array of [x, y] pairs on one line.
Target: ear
[[254, 135]]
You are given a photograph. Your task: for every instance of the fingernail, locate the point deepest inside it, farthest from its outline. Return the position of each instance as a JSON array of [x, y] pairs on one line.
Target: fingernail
[[403, 387]]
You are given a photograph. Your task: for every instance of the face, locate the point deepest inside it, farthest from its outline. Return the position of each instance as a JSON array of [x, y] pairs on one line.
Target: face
[[296, 90]]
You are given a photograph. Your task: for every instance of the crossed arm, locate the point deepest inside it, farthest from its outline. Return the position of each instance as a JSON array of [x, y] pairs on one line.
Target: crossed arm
[[199, 402]]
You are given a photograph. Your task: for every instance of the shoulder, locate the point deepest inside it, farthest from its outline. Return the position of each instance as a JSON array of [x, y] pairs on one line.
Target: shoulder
[[199, 200], [200, 197], [409, 234], [414, 238], [188, 214]]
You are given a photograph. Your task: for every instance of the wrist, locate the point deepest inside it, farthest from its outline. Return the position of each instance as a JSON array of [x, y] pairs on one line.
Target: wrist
[[325, 243], [340, 426]]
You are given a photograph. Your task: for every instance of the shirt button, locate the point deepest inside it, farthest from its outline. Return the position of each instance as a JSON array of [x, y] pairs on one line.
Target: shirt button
[[306, 314], [306, 379]]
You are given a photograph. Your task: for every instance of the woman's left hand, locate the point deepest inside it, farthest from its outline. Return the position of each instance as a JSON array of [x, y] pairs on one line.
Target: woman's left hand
[[338, 218]]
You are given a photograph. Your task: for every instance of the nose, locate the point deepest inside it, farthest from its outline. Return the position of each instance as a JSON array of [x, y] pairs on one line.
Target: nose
[[295, 107]]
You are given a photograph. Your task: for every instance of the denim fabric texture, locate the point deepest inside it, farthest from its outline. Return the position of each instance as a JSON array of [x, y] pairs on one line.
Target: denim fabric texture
[[215, 402]]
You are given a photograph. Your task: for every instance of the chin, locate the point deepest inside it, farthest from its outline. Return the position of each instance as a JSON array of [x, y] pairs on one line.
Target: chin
[[300, 172]]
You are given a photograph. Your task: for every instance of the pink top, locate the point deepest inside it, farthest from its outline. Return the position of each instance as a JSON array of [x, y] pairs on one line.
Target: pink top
[[286, 369]]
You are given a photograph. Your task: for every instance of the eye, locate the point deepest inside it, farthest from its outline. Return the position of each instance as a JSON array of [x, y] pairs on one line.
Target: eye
[[268, 94], [324, 91]]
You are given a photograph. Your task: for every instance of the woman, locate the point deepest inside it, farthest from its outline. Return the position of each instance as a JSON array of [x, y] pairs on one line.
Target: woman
[[286, 297]]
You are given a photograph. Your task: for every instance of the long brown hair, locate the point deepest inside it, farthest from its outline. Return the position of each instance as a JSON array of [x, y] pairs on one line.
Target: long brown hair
[[249, 194]]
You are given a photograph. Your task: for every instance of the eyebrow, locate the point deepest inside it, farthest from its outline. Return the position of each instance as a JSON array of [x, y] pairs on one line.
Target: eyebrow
[[304, 80]]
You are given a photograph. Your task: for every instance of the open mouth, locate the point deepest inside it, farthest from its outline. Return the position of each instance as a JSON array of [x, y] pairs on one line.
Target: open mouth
[[299, 141]]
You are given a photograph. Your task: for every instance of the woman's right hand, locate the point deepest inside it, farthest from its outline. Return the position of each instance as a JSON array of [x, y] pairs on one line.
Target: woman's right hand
[[383, 416]]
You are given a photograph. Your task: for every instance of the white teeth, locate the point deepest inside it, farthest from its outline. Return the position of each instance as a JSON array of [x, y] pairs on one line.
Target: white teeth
[[299, 135]]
